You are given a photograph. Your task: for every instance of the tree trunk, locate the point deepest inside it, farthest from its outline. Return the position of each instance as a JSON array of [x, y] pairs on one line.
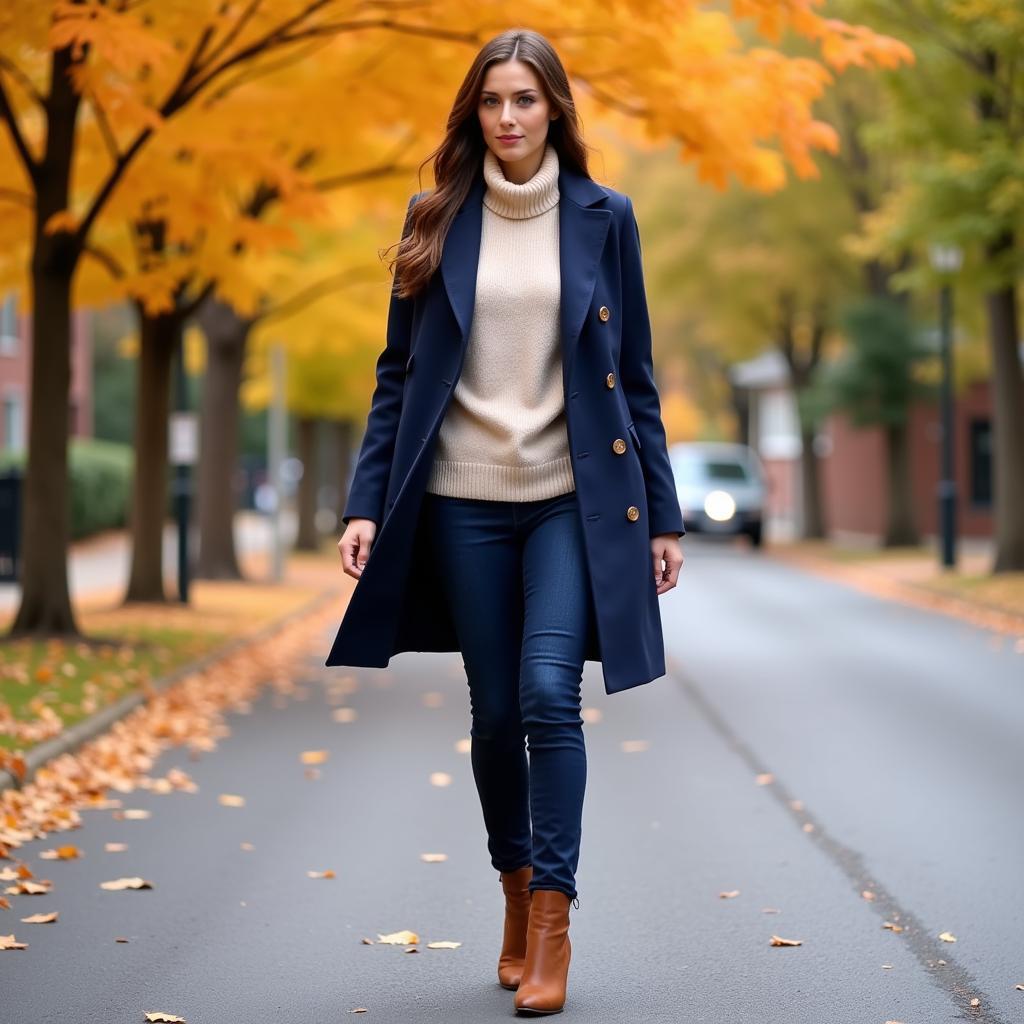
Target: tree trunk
[[308, 538], [814, 518], [227, 336], [45, 608], [1007, 423], [160, 335], [344, 431], [901, 530]]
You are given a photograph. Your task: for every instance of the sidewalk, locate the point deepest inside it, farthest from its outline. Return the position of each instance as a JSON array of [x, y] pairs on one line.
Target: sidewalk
[[915, 576], [56, 696]]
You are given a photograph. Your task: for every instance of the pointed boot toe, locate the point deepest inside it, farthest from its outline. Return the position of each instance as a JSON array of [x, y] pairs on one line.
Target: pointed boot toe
[[548, 951], [515, 885]]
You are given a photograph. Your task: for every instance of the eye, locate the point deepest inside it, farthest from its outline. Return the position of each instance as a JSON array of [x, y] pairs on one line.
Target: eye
[[529, 99]]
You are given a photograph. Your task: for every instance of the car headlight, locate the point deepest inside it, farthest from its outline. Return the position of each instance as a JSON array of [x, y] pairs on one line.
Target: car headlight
[[720, 506]]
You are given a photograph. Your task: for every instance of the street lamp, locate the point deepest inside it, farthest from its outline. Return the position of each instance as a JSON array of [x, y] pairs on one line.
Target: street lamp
[[946, 260]]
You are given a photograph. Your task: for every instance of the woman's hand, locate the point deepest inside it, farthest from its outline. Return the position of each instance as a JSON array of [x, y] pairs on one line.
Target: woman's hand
[[665, 548], [355, 545]]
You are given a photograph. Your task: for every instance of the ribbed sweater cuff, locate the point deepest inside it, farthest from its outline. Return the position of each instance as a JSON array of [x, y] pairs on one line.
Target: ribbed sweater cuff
[[501, 483]]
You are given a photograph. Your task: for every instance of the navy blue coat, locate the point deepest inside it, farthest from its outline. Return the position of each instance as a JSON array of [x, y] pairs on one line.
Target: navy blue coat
[[398, 603]]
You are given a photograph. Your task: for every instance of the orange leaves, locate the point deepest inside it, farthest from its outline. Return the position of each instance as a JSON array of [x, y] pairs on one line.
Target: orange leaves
[[777, 940]]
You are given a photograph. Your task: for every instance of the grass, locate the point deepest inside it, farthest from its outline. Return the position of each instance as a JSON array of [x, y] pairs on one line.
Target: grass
[[47, 686]]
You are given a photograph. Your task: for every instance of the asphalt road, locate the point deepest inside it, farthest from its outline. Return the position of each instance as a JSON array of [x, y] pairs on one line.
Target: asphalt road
[[899, 730]]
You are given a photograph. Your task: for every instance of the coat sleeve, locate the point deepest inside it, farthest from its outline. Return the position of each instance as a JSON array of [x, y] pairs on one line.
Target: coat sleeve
[[373, 466], [636, 373]]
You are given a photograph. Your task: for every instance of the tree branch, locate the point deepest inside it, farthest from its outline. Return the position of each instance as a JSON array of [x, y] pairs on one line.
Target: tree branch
[[361, 275], [23, 80], [7, 114]]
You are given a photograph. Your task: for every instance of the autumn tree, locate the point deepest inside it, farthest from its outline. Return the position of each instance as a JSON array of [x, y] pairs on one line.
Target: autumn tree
[[87, 86]]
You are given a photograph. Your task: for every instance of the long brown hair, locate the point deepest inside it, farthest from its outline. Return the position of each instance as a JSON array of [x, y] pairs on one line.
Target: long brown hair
[[458, 160]]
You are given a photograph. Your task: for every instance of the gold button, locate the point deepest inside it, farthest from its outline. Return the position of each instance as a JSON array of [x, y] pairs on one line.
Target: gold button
[[618, 446], [610, 380], [632, 513], [604, 312]]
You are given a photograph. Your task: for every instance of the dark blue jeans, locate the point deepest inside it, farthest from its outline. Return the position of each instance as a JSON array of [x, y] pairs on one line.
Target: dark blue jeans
[[515, 574]]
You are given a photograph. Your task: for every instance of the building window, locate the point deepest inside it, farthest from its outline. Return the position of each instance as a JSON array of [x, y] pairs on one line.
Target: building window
[[981, 462], [8, 326], [13, 424]]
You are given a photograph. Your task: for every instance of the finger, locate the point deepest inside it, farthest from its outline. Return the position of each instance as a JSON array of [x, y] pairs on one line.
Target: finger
[[348, 550], [363, 553], [656, 557]]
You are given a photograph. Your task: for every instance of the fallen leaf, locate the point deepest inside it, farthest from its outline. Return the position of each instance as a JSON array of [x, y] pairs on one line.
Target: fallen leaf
[[133, 813], [329, 873], [433, 858], [312, 773], [947, 937], [886, 967], [115, 847], [433, 699], [231, 800], [120, 938], [975, 1001], [247, 846], [440, 779], [398, 938], [9, 942], [892, 927], [591, 714], [358, 1009], [26, 887], [61, 853], [345, 715], [367, 942], [443, 945], [770, 910], [868, 894], [411, 949], [796, 805], [778, 941], [730, 894], [40, 918], [133, 882], [764, 778], [464, 745], [164, 1018], [808, 827], [1019, 988], [314, 756], [634, 746]]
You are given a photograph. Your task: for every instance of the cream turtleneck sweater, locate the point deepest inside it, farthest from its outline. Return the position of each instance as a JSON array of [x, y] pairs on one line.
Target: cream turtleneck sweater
[[504, 436]]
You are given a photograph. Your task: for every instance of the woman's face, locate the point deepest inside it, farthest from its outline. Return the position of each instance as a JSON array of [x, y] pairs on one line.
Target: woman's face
[[514, 118]]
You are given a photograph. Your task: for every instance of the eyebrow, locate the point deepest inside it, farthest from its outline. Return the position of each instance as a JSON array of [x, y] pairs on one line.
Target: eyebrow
[[491, 92]]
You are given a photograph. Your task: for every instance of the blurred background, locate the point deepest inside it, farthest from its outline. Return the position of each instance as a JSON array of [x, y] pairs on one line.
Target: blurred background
[[196, 201]]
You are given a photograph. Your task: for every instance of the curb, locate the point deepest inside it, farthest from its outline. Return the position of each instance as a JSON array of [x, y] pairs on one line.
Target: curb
[[979, 614], [88, 728]]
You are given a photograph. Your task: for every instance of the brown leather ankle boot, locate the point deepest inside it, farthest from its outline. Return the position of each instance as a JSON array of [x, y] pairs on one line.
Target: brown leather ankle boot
[[517, 915], [546, 968]]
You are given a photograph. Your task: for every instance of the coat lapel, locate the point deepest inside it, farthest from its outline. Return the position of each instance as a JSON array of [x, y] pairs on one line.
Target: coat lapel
[[582, 229]]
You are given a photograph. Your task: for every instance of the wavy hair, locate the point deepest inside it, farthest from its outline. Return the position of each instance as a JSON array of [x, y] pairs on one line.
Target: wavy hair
[[458, 160]]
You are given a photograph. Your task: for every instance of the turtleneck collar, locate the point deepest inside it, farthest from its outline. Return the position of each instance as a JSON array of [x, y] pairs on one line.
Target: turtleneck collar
[[532, 198]]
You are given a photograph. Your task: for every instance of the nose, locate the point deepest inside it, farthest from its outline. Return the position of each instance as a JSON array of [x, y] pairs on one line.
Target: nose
[[507, 120]]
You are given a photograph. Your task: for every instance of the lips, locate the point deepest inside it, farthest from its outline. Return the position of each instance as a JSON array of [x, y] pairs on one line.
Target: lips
[[509, 138]]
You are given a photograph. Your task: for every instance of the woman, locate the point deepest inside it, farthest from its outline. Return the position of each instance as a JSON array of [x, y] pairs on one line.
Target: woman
[[517, 523]]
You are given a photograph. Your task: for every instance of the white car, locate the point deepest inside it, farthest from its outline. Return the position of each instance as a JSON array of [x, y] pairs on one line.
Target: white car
[[721, 487]]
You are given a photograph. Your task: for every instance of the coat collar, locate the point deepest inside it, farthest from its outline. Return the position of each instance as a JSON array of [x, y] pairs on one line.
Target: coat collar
[[582, 226]]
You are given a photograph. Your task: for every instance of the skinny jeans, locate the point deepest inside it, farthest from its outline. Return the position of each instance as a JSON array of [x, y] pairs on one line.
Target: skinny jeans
[[515, 575]]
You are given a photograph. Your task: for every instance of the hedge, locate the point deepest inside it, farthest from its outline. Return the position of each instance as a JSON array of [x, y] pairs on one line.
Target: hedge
[[100, 475]]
